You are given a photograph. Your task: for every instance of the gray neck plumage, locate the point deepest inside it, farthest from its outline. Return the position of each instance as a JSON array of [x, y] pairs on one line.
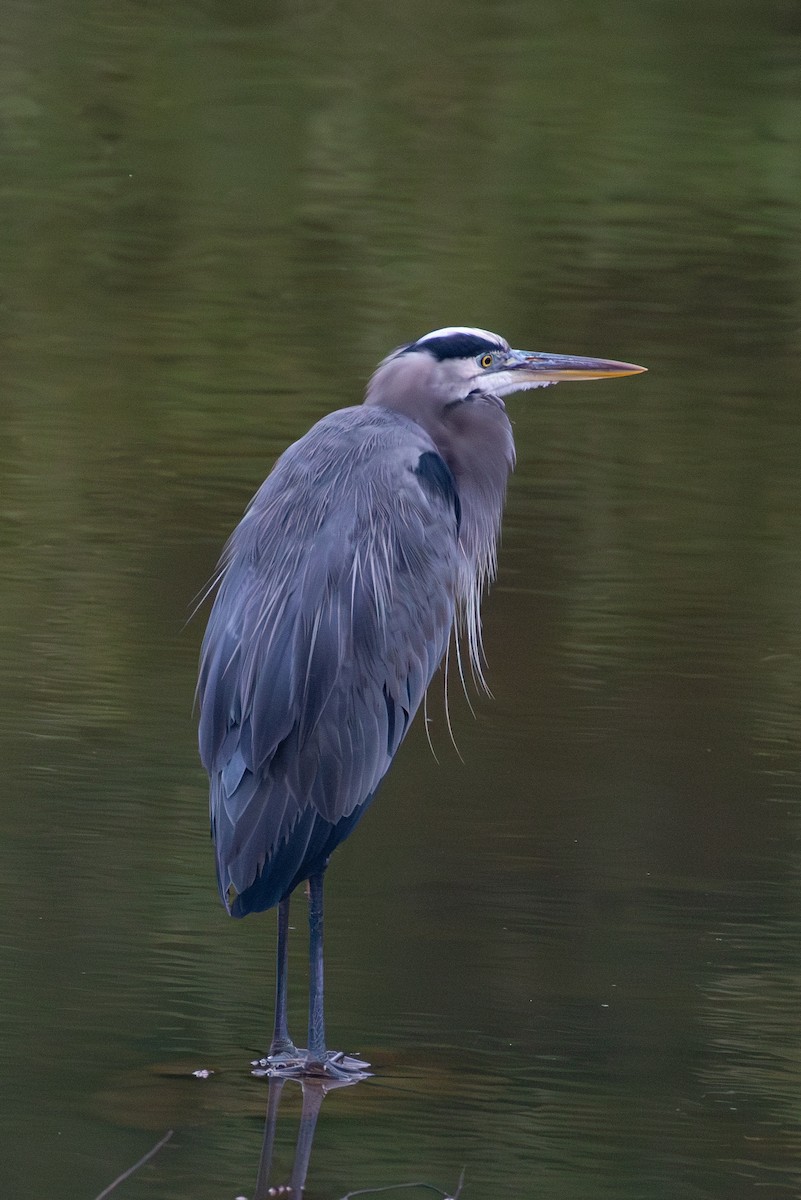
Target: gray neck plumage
[[474, 437]]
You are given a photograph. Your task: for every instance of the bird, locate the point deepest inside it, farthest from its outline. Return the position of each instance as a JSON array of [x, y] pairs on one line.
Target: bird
[[368, 546]]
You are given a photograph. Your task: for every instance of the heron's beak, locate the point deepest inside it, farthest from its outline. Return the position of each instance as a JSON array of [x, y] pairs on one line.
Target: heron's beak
[[532, 368]]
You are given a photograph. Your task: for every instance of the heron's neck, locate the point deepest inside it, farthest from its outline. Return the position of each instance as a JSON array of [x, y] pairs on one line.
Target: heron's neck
[[475, 439], [474, 436]]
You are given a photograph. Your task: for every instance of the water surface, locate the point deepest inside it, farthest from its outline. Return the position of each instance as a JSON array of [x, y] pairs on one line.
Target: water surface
[[573, 957]]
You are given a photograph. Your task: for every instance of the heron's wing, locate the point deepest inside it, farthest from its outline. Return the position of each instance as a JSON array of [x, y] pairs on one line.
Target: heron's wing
[[334, 612]]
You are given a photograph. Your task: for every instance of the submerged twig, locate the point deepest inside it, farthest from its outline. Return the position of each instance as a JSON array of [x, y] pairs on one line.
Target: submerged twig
[[397, 1187], [126, 1174]]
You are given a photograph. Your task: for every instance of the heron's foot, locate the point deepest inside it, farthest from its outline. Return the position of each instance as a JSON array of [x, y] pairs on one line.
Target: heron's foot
[[333, 1064], [284, 1056]]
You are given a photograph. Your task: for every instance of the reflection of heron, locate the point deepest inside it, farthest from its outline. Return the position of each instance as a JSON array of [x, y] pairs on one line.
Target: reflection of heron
[[372, 536], [314, 1092]]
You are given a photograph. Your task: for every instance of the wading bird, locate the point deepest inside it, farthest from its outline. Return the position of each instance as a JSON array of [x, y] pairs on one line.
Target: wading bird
[[373, 537]]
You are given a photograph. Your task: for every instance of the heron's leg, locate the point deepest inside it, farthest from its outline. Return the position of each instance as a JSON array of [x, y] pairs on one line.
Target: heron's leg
[[282, 1044], [284, 1059], [330, 1063], [317, 1050]]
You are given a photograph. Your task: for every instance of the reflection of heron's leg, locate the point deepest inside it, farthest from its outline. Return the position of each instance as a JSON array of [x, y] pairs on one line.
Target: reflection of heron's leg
[[313, 1095], [265, 1162], [282, 1045]]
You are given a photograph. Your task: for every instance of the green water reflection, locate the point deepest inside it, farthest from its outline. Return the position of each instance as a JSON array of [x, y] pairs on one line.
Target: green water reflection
[[575, 957]]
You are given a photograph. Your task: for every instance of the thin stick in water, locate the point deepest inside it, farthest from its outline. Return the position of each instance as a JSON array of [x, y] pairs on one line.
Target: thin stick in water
[[398, 1187], [126, 1174]]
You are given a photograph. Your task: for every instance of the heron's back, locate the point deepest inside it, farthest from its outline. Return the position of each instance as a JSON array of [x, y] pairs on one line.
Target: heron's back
[[334, 611]]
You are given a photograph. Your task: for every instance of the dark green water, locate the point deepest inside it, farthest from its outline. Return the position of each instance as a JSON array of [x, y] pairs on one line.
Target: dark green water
[[574, 958]]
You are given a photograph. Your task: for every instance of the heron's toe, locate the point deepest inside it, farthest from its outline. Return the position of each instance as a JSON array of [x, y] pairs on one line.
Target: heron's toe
[[339, 1066]]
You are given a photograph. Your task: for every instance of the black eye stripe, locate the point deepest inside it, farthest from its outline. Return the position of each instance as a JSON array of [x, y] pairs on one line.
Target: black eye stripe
[[455, 345]]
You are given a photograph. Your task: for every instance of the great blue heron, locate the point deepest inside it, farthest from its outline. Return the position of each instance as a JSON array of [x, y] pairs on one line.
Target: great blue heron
[[372, 538]]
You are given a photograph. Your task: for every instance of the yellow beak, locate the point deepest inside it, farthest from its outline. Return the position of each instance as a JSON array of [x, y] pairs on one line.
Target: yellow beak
[[555, 368]]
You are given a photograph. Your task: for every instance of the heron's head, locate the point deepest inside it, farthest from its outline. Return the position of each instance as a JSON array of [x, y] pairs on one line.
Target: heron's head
[[462, 364]]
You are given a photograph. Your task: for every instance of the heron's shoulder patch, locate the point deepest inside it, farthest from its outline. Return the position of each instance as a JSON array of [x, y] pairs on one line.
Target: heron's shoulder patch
[[435, 476]]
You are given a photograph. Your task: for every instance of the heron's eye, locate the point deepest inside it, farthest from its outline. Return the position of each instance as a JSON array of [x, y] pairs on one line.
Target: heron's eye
[[485, 360]]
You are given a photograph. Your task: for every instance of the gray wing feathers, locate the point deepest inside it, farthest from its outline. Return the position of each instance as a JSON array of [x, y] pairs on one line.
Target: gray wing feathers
[[334, 611]]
